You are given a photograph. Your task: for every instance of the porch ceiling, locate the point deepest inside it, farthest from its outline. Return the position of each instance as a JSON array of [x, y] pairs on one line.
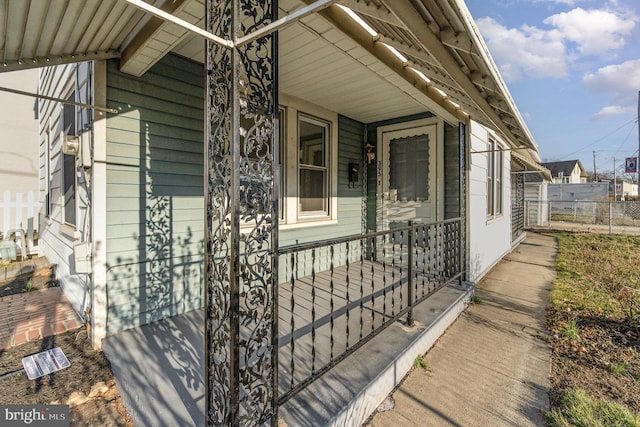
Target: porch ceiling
[[448, 68]]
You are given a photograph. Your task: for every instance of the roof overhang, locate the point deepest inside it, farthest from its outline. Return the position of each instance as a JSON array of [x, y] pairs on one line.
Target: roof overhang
[[427, 52], [530, 166]]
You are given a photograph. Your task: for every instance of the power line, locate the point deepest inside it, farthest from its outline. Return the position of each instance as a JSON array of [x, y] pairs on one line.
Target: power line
[[625, 139], [601, 139]]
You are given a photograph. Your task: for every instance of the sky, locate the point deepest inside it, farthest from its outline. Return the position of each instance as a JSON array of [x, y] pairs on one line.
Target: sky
[[573, 69]]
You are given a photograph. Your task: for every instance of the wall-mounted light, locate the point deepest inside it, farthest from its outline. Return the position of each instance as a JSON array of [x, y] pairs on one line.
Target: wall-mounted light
[[371, 152]]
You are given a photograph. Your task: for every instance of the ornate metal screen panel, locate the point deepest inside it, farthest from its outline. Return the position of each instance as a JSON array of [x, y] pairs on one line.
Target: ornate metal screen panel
[[517, 206], [241, 204]]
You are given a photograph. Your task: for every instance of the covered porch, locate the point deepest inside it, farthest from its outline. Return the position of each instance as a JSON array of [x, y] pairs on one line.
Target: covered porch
[[290, 115], [160, 371]]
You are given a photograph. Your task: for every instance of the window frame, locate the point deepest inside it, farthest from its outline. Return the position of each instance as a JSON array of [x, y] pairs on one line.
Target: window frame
[[495, 179], [68, 111], [324, 168], [292, 216], [48, 198]]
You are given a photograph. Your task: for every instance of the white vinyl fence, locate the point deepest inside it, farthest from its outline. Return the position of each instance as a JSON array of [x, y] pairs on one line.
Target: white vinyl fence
[[603, 217], [20, 212]]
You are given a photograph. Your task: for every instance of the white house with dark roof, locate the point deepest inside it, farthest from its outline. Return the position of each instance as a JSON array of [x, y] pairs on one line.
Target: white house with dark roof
[[287, 199]]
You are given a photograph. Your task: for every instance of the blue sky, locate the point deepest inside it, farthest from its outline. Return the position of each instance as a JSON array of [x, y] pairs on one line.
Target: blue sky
[[573, 69]]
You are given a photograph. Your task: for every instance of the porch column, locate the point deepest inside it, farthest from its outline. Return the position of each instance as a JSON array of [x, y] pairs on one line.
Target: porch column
[[241, 223], [462, 200]]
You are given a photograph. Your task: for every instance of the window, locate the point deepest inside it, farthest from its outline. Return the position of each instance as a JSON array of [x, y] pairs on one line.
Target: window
[[47, 173], [308, 159], [494, 180], [313, 166], [282, 114], [69, 164], [409, 167]]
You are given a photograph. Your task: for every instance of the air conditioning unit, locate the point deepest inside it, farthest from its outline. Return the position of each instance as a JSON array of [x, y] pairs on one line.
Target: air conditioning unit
[[71, 145]]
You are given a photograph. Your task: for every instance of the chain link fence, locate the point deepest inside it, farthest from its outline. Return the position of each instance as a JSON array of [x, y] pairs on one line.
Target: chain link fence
[[589, 216]]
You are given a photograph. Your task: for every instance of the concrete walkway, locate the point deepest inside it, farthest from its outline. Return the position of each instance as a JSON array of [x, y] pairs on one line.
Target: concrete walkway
[[491, 368]]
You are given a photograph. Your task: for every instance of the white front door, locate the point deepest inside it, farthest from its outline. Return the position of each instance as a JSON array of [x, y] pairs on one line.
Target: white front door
[[407, 181]]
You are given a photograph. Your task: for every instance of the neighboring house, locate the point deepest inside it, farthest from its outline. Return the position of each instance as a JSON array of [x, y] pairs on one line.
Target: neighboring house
[[591, 191], [19, 158], [567, 172], [624, 190], [375, 130]]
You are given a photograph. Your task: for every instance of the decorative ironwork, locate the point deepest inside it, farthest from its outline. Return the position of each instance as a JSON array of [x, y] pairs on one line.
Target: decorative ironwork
[[517, 206], [241, 299], [326, 270]]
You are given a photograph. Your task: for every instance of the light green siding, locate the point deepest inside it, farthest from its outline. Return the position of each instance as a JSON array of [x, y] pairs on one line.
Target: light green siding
[[451, 172], [155, 208]]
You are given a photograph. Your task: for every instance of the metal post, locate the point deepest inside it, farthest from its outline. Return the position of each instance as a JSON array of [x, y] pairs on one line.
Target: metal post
[[462, 198], [241, 189], [410, 274], [610, 216]]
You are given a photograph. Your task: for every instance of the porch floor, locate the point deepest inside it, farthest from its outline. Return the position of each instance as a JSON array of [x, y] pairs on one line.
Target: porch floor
[[159, 370]]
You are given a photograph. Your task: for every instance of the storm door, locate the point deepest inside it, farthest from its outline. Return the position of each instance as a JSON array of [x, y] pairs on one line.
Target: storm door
[[407, 182]]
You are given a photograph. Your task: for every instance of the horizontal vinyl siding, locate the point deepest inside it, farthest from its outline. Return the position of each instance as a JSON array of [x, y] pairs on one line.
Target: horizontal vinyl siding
[[489, 239], [451, 172], [57, 240], [155, 207]]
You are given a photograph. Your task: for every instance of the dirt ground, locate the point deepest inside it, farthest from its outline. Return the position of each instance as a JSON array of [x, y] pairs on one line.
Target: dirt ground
[[25, 284], [604, 359], [87, 385]]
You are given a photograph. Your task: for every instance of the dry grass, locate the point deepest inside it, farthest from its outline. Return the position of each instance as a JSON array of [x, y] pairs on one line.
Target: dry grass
[[595, 317]]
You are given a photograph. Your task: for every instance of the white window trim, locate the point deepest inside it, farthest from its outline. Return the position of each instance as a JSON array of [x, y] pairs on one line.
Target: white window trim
[[494, 149], [63, 219], [293, 108]]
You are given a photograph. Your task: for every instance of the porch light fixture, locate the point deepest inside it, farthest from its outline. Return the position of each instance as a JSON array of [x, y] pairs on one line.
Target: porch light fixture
[[397, 53], [421, 75], [371, 152], [359, 20], [441, 92], [159, 13], [455, 104]]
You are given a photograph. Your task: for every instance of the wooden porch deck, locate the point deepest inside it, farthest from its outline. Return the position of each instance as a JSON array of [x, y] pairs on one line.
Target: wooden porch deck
[[321, 317], [160, 366]]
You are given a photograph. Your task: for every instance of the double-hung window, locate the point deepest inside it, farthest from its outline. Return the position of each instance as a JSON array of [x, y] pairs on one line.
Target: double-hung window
[[313, 166], [494, 180], [69, 165], [308, 164]]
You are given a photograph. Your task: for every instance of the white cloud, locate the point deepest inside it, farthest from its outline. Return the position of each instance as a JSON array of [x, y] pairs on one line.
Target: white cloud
[[611, 111], [620, 82], [527, 50], [537, 52], [595, 32], [567, 2]]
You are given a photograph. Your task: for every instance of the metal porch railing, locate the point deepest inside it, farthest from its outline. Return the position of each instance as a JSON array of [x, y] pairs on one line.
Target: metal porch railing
[[340, 293]]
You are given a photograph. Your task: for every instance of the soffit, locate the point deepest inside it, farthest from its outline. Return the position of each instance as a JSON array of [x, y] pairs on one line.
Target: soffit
[[437, 37]]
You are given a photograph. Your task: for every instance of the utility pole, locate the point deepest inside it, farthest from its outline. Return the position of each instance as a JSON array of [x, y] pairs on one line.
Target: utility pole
[[638, 158], [615, 181], [595, 172]]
